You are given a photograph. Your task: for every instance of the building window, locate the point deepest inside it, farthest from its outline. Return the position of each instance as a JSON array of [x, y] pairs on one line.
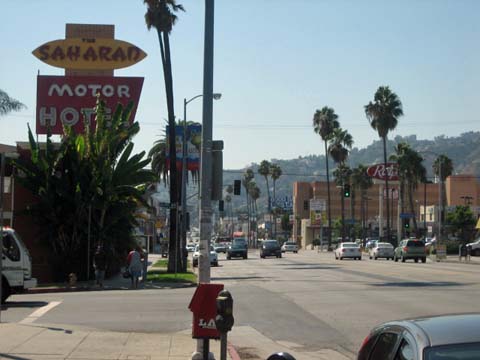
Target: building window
[[306, 205]]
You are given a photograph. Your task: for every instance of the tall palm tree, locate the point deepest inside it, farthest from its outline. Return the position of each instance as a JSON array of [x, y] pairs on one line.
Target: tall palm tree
[[161, 16], [340, 143], [264, 170], [248, 177], [254, 191], [229, 199], [7, 104], [276, 172], [324, 122], [383, 114], [362, 181], [443, 168], [411, 172]]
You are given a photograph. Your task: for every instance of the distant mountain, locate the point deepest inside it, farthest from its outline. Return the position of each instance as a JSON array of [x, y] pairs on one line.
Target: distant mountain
[[464, 151]]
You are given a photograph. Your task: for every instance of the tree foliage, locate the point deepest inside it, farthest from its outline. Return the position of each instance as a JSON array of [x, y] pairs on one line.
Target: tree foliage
[[89, 177]]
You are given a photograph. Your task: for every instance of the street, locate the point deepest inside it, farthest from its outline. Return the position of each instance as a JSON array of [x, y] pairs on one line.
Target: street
[[303, 303]]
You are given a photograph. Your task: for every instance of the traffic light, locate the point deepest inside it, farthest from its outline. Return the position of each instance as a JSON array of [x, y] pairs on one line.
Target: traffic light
[[221, 205], [406, 223], [346, 190], [237, 186]]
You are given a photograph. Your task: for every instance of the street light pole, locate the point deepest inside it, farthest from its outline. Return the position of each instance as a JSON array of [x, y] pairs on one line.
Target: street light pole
[[2, 174]]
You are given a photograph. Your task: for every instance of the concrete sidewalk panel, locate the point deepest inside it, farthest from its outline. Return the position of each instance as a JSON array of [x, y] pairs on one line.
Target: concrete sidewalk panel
[[51, 341], [101, 345], [13, 336], [140, 345]]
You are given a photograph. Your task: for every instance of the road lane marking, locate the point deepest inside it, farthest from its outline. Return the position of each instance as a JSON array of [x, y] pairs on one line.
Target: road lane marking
[[40, 312]]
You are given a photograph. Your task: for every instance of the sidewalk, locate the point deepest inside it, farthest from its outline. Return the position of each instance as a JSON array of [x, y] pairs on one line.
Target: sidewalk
[[41, 342]]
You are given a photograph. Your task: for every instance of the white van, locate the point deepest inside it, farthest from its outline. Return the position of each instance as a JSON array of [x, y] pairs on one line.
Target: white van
[[16, 265]]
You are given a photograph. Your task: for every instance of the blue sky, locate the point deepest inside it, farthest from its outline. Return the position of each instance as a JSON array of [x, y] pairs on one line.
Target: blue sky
[[276, 61]]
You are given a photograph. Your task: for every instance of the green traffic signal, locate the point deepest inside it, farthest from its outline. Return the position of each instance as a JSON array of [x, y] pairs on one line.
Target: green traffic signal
[[346, 191]]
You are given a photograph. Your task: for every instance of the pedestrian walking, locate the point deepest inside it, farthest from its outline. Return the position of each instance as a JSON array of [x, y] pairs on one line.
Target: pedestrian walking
[[100, 264], [135, 266]]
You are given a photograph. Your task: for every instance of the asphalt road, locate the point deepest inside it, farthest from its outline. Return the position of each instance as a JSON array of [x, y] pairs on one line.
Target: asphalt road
[[308, 300]]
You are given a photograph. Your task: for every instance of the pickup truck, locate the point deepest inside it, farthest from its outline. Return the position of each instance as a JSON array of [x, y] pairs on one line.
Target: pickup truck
[[16, 265]]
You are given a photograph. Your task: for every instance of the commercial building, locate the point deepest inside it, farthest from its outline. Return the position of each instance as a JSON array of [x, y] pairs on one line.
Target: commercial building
[[310, 224]]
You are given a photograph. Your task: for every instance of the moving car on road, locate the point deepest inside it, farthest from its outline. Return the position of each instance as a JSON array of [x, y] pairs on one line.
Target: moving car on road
[[381, 250], [237, 249], [212, 255], [447, 337], [191, 247], [410, 249], [220, 248], [290, 246], [270, 248], [348, 250]]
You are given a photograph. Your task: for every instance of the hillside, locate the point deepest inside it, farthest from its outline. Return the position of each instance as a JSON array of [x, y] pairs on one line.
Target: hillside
[[464, 151]]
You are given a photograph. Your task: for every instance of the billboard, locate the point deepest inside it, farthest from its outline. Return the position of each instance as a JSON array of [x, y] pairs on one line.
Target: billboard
[[194, 143], [68, 100], [379, 171]]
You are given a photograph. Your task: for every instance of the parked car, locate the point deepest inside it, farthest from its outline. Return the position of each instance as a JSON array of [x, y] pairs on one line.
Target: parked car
[[410, 249], [237, 249], [474, 247], [220, 248], [370, 243], [381, 250], [290, 246], [270, 248], [433, 338], [212, 255], [348, 250], [191, 247]]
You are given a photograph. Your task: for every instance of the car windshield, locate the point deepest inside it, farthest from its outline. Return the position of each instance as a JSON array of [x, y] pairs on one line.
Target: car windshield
[[459, 351], [350, 245], [273, 243], [238, 246], [415, 243], [380, 245], [290, 243]]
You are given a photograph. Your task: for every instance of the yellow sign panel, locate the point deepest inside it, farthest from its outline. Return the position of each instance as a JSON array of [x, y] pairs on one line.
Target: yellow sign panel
[[89, 54]]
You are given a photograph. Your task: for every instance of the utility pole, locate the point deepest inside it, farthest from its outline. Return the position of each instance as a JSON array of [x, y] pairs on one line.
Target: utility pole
[[206, 164]]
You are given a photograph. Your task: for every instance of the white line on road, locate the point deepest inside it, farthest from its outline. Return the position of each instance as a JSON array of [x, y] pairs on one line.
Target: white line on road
[[40, 312]]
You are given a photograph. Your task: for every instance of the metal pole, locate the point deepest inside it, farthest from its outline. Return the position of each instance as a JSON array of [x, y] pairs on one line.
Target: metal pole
[[223, 346], [2, 174], [425, 208], [440, 198], [88, 241], [206, 158], [184, 181]]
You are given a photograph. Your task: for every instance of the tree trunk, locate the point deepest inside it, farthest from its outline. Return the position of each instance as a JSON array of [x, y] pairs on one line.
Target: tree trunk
[[386, 186], [275, 214], [412, 209], [343, 214], [174, 255], [329, 212]]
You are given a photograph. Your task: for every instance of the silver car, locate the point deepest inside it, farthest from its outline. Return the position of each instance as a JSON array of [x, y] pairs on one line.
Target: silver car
[[381, 250], [433, 338], [290, 246], [348, 250]]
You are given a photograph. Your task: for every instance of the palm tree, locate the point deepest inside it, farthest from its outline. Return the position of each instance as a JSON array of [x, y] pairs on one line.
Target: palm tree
[[264, 170], [161, 15], [228, 199], [324, 122], [362, 181], [443, 168], [276, 172], [7, 104], [340, 143], [254, 191], [383, 116], [248, 176], [411, 172]]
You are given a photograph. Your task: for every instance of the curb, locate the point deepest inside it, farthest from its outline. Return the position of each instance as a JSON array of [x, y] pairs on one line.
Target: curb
[[232, 351]]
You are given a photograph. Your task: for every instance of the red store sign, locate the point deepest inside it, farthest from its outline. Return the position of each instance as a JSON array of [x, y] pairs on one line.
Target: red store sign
[[65, 100], [379, 171]]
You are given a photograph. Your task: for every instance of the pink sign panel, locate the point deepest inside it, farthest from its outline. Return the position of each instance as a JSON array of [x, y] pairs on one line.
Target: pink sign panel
[[68, 100]]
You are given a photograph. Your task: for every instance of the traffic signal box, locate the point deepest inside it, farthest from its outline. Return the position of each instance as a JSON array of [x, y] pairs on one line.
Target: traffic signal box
[[237, 186], [346, 190]]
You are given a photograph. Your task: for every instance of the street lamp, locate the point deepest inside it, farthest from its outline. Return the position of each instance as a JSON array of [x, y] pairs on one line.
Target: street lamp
[[215, 96]]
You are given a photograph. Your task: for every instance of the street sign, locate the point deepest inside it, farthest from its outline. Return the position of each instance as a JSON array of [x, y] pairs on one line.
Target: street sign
[[407, 216], [318, 204]]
